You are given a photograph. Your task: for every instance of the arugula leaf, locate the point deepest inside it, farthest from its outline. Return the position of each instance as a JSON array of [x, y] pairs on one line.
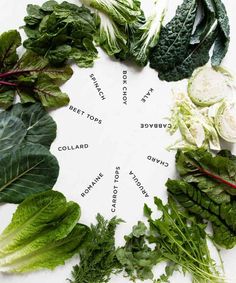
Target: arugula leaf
[[26, 170], [98, 256], [182, 241], [42, 234], [222, 216]]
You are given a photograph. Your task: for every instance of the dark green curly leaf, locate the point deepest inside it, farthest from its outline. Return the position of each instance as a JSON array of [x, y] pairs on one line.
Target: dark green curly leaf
[[174, 38]]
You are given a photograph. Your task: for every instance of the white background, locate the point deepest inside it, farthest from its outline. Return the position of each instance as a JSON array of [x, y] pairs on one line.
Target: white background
[[118, 141]]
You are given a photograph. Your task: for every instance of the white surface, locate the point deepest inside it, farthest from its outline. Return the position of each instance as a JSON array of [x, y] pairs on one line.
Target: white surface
[[118, 141]]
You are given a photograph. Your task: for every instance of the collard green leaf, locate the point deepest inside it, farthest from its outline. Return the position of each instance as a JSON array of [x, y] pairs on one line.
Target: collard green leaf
[[25, 171], [9, 41], [40, 127], [12, 132], [42, 234], [222, 216], [174, 38]]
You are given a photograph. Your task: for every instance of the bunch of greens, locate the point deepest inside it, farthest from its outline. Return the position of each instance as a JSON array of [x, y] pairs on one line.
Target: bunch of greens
[[175, 238], [207, 113], [43, 233], [182, 47], [182, 242], [136, 257], [124, 31], [61, 32], [26, 165], [98, 256], [121, 11], [31, 76], [208, 189]]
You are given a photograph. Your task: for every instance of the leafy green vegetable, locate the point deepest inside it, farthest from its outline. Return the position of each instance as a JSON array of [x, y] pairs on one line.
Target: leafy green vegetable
[[196, 127], [225, 121], [98, 256], [60, 32], [208, 86], [26, 170], [12, 132], [26, 123], [110, 36], [207, 189], [182, 241], [181, 49], [221, 215], [214, 175], [136, 257], [147, 34], [121, 11], [42, 234], [174, 38], [31, 76]]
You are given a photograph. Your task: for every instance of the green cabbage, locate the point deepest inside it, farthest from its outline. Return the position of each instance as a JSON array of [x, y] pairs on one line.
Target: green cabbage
[[225, 121], [208, 86]]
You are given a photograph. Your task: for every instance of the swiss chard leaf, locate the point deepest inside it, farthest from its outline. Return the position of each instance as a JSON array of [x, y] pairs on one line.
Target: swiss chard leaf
[[42, 234], [216, 176], [222, 216], [25, 171]]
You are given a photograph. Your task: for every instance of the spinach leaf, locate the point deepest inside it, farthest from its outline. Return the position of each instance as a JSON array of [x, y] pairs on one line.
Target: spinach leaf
[[43, 233], [60, 32], [26, 170]]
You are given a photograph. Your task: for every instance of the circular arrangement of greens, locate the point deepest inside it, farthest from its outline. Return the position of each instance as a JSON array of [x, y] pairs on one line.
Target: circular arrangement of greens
[[44, 231]]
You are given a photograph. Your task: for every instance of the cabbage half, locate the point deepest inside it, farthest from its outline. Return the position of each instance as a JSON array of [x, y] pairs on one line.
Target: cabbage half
[[225, 121], [208, 85]]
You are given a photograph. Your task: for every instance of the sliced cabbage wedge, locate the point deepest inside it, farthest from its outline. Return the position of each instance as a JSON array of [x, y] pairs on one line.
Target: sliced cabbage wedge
[[208, 85], [225, 121]]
